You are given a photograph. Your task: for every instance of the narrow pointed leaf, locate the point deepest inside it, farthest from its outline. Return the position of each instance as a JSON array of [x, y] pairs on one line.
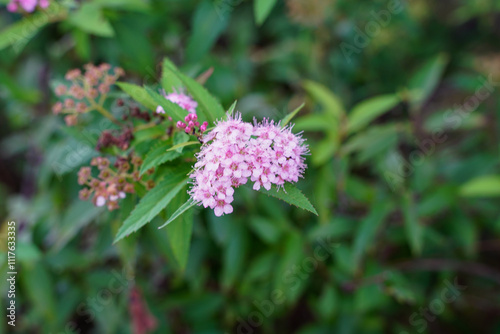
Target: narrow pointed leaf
[[483, 186], [231, 109], [291, 195], [365, 112], [151, 204], [181, 210], [139, 94], [207, 104], [175, 147], [367, 231], [262, 9], [425, 80], [291, 115], [171, 109], [414, 231], [331, 103], [179, 231], [158, 155]]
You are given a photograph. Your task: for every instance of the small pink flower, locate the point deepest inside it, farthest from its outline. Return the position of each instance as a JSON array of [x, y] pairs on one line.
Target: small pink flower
[[100, 201], [28, 5], [222, 207]]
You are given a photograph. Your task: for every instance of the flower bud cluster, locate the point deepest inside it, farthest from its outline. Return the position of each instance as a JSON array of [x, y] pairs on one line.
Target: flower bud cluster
[[27, 6], [191, 124], [112, 184], [122, 141], [84, 89], [235, 151]]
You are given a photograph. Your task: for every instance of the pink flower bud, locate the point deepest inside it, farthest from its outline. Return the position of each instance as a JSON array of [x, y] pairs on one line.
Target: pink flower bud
[[187, 118], [188, 130], [57, 108], [191, 124], [69, 103], [61, 90], [181, 125], [12, 7], [71, 120], [73, 74]]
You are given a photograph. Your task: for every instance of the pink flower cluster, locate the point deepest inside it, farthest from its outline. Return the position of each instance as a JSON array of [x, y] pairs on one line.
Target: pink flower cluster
[[182, 100], [191, 123], [235, 151], [26, 5]]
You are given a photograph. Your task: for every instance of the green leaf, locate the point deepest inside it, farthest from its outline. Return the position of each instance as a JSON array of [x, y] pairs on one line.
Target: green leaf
[[426, 79], [39, 287], [313, 122], [179, 231], [78, 215], [234, 254], [483, 186], [176, 147], [330, 102], [207, 25], [262, 9], [151, 204], [181, 210], [324, 150], [180, 138], [139, 94], [414, 231], [207, 104], [171, 109], [367, 230], [365, 112], [291, 195], [231, 109], [291, 254], [291, 115], [132, 5], [158, 155], [21, 32], [90, 19], [154, 132]]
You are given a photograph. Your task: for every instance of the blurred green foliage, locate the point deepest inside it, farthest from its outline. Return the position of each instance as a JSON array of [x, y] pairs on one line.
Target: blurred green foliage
[[401, 115]]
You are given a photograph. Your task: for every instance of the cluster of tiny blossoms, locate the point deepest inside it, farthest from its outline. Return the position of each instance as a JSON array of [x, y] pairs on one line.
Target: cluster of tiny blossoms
[[191, 123], [27, 6], [86, 91], [235, 151], [111, 185]]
